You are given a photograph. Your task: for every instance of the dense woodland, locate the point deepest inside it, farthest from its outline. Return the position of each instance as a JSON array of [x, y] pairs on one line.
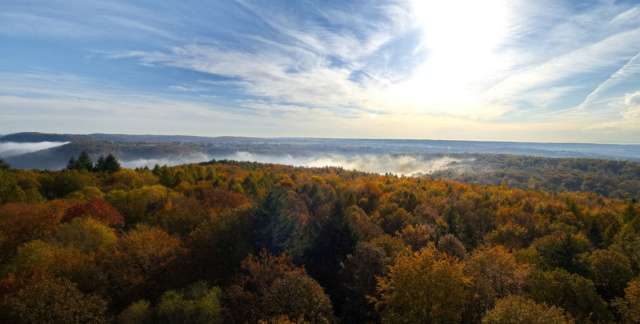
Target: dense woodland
[[241, 242], [609, 178]]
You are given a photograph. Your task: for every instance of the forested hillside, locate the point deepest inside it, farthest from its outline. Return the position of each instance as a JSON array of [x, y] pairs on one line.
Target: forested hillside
[[241, 242], [609, 178]]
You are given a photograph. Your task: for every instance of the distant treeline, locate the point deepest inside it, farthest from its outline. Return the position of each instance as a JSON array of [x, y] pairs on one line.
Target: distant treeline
[[613, 179]]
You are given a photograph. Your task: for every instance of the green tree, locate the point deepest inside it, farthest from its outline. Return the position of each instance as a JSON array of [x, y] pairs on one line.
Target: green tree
[[563, 251], [65, 182], [84, 235], [84, 162], [358, 277], [35, 253], [610, 271], [109, 164], [196, 304], [72, 164], [277, 222], [140, 312], [4, 165], [576, 294]]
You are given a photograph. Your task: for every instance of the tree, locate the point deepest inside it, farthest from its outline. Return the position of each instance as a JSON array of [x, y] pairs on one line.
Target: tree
[[297, 296], [67, 181], [136, 204], [109, 164], [140, 312], [217, 247], [336, 235], [496, 274], [4, 165], [277, 222], [99, 165], [358, 277], [576, 294], [72, 164], [610, 271], [515, 309], [423, 287], [33, 254], [450, 245], [272, 286], [180, 216], [53, 301], [510, 235], [84, 235], [138, 262], [21, 223], [98, 210], [629, 307], [196, 304], [563, 251], [84, 162]]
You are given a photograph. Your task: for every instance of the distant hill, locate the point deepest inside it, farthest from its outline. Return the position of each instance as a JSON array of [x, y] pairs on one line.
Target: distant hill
[[34, 137], [57, 157], [140, 150]]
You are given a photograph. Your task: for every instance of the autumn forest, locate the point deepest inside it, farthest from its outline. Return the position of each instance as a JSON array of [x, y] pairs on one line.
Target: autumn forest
[[245, 242]]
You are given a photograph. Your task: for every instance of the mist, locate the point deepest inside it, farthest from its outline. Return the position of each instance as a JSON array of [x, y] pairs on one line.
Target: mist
[[170, 161], [403, 165], [13, 148]]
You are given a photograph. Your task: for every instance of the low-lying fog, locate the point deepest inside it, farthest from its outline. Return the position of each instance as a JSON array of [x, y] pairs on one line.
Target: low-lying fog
[[406, 165], [10, 148]]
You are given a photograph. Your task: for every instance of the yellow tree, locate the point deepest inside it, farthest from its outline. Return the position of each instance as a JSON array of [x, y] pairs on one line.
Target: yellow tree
[[496, 274], [423, 287], [520, 310]]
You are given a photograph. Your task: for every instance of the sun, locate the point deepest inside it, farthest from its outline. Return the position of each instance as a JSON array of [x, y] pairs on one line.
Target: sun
[[461, 38]]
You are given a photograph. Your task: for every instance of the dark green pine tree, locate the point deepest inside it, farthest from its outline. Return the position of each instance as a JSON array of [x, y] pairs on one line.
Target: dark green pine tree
[[84, 162], [4, 165], [111, 164], [275, 227], [99, 166], [334, 238], [71, 165]]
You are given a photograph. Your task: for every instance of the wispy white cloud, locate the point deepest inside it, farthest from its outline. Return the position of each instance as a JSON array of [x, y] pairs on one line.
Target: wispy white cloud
[[628, 108], [590, 58], [631, 68]]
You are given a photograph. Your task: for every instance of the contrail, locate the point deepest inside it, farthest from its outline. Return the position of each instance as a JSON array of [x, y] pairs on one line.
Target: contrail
[[631, 67]]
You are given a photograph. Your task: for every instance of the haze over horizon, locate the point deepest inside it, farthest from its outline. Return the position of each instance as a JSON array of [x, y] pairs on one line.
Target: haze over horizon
[[494, 70]]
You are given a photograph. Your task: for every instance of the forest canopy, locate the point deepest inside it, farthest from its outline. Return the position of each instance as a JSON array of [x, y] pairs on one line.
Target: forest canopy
[[245, 242]]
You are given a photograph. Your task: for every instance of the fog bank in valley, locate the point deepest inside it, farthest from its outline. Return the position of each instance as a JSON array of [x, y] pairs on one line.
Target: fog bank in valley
[[406, 165], [12, 148]]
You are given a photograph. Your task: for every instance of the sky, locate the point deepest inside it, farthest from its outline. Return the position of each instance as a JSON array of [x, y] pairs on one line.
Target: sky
[[492, 70]]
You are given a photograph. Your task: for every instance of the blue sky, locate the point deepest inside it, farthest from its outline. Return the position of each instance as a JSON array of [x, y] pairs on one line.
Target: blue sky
[[541, 71]]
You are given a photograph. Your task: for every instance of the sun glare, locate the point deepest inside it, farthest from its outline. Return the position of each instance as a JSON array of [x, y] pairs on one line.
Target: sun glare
[[460, 38]]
